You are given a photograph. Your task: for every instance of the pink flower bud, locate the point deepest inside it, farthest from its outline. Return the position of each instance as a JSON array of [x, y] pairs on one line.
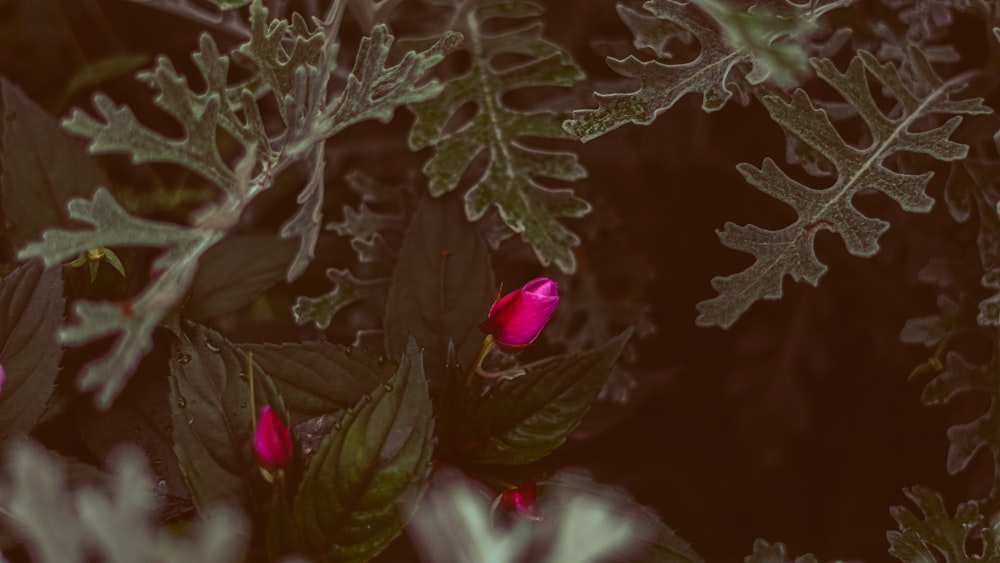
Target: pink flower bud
[[272, 442], [516, 318], [3, 376], [522, 501]]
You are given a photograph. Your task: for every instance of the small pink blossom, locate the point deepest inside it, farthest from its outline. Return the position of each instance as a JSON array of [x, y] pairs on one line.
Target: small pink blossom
[[3, 376], [272, 442], [522, 501], [516, 318]]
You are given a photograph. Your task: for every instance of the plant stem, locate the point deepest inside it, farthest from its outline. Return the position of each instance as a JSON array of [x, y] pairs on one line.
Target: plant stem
[[483, 350]]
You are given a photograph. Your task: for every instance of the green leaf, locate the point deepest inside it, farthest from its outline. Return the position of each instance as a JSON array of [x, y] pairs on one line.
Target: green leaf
[[938, 534], [212, 420], [525, 418], [353, 498], [442, 286], [31, 309], [765, 552], [41, 169], [316, 378], [790, 250], [513, 167], [113, 226], [734, 45], [112, 521], [235, 271], [142, 416]]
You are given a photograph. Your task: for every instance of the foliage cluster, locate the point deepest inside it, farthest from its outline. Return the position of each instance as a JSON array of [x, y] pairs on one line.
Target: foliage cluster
[[221, 228]]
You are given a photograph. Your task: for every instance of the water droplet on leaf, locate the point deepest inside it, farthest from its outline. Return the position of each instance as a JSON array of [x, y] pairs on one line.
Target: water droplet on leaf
[[182, 402], [183, 358]]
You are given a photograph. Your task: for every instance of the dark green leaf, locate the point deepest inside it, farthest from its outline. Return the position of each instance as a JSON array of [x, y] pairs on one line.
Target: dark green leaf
[[210, 399], [41, 168], [235, 271], [352, 499], [442, 286], [317, 378], [31, 310], [142, 416], [524, 419]]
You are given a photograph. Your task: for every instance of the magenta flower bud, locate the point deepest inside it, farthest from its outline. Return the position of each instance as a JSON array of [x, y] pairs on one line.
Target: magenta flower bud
[[3, 376], [516, 318], [522, 501], [272, 442]]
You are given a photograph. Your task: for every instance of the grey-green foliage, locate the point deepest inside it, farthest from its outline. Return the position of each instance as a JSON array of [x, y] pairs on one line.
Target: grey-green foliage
[[789, 250], [295, 65], [967, 438], [366, 228], [735, 46], [972, 188], [766, 552], [172, 270], [114, 524], [927, 19], [955, 375], [935, 534], [510, 181]]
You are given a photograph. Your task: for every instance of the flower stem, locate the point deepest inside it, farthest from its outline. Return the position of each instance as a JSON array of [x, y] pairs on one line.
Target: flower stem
[[253, 407], [483, 350]]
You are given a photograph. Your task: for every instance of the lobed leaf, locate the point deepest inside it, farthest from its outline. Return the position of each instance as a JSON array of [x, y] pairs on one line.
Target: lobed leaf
[[569, 495], [510, 180], [115, 524], [790, 250], [935, 533], [353, 498], [766, 552], [347, 289], [734, 45], [966, 439], [135, 320]]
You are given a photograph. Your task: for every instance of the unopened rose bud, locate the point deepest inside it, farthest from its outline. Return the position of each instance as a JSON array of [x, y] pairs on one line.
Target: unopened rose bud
[[272, 442], [522, 501], [516, 318]]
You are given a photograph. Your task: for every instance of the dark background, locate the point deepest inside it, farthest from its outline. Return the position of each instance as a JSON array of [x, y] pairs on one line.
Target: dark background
[[797, 425]]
